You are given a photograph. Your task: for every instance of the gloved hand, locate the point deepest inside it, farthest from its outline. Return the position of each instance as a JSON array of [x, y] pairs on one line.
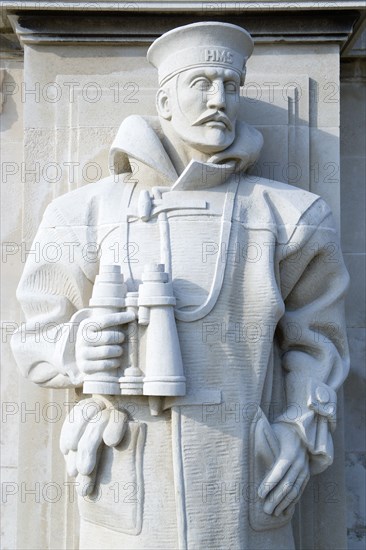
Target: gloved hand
[[285, 483], [99, 341], [90, 424]]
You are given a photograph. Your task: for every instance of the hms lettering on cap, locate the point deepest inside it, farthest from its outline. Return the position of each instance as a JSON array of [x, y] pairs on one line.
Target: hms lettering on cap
[[219, 56]]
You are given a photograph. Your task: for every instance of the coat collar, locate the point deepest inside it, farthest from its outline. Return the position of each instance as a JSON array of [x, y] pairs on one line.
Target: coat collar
[[138, 147]]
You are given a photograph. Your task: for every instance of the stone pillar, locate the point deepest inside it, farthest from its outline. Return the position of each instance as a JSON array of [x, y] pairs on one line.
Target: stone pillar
[[11, 117], [353, 200]]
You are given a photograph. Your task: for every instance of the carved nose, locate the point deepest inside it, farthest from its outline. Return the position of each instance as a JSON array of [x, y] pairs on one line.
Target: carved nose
[[216, 96]]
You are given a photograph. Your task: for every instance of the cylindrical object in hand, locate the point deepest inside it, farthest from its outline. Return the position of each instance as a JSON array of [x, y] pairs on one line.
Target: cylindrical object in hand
[[108, 296], [131, 383], [164, 374]]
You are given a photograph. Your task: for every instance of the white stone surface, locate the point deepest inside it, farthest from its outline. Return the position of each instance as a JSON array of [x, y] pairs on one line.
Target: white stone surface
[[11, 267]]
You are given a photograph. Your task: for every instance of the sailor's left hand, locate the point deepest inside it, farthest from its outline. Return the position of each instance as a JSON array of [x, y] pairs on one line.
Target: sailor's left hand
[[285, 483], [92, 423]]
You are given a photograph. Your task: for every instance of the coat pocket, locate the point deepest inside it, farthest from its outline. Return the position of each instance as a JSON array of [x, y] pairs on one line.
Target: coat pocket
[[264, 450], [117, 501]]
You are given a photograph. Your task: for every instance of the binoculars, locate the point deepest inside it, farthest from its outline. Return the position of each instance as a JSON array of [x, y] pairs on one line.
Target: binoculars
[[161, 373]]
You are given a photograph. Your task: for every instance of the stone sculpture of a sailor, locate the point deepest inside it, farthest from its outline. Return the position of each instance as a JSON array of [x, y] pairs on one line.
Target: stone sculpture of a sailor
[[215, 286]]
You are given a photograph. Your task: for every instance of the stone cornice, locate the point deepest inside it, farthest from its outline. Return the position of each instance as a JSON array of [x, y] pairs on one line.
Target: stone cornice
[[356, 45], [182, 6], [100, 28]]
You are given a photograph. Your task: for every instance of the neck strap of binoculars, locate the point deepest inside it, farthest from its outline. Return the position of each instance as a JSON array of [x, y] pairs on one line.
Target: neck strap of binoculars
[[218, 278], [226, 221]]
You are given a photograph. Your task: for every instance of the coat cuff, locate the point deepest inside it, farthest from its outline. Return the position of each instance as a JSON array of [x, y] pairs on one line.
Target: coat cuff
[[64, 356]]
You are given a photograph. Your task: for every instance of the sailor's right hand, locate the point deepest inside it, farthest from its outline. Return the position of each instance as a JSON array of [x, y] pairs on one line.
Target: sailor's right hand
[[99, 341]]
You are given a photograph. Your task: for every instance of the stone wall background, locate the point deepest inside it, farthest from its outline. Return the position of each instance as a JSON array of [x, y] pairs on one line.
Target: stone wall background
[[18, 412], [353, 238], [11, 122]]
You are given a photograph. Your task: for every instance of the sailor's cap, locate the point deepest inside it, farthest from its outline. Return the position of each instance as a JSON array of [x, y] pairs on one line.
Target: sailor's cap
[[207, 43]]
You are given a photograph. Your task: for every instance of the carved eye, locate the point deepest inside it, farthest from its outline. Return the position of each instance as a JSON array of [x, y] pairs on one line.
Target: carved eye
[[231, 87], [201, 84]]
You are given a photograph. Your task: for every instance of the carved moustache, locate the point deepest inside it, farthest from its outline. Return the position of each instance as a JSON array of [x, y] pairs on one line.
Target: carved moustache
[[209, 116]]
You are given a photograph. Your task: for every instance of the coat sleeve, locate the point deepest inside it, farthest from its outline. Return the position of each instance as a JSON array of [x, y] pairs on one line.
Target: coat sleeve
[[52, 290], [312, 332]]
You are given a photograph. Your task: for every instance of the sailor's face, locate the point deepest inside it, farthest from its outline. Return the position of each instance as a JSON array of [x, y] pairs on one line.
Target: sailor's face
[[205, 106]]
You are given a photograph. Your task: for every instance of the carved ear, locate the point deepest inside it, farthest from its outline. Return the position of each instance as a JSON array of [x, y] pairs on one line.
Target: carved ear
[[163, 104]]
